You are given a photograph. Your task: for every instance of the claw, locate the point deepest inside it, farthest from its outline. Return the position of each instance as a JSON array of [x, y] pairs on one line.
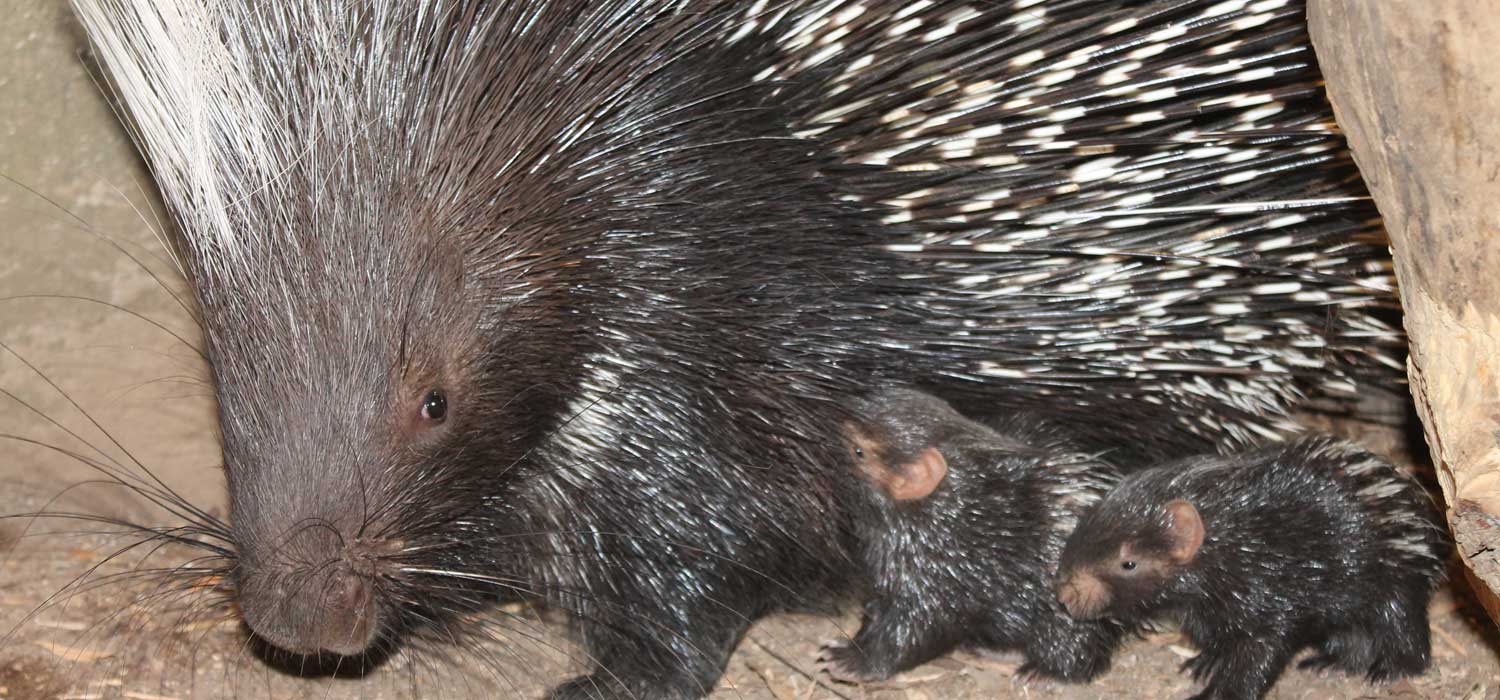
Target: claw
[[1318, 662], [1199, 667], [1028, 672], [1190, 665], [842, 661]]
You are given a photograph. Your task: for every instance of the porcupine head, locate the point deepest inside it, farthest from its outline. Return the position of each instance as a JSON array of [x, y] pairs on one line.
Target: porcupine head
[[391, 285], [1123, 557], [415, 237]]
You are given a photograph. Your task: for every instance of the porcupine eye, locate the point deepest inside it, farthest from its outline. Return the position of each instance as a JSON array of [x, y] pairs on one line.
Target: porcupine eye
[[434, 406], [1127, 565]]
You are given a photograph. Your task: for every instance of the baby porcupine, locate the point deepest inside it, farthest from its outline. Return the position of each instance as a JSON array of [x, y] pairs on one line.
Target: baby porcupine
[[960, 535], [1316, 542]]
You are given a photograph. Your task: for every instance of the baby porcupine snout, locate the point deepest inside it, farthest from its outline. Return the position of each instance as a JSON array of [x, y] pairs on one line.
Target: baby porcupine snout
[[1083, 595], [310, 604]]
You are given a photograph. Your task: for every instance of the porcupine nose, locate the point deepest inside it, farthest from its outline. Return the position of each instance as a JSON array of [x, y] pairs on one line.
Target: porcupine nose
[[344, 622], [329, 612]]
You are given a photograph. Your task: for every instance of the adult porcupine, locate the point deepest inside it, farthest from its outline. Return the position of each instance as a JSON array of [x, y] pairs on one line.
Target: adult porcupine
[[565, 297]]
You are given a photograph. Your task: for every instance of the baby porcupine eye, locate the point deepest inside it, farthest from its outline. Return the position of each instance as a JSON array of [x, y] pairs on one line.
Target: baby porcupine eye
[[434, 406], [1126, 563]]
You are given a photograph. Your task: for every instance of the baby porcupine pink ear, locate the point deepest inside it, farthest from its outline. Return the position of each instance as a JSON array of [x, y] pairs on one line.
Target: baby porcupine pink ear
[[1184, 531], [912, 480], [918, 478]]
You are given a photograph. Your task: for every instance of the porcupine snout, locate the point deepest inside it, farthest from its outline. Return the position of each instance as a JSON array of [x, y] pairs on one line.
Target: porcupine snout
[[316, 594]]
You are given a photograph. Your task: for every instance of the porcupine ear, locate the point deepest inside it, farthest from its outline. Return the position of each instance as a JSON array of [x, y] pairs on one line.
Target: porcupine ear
[[1184, 531], [919, 477]]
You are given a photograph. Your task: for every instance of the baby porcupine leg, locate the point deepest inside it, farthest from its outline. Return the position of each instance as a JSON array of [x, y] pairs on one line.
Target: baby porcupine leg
[[1391, 643], [1354, 649], [1244, 668], [1400, 639], [1061, 647], [1344, 648], [896, 634]]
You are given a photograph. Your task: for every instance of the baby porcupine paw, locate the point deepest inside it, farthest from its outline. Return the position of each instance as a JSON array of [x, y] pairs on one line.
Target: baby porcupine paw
[[1201, 667], [1317, 662], [1211, 692], [605, 685], [844, 662], [1028, 672], [1033, 674], [584, 688]]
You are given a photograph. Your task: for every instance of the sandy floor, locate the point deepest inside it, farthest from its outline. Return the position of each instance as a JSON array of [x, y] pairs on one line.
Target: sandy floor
[[71, 184]]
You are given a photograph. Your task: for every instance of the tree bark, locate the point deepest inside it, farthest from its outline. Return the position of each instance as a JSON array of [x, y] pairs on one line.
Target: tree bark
[[1415, 86]]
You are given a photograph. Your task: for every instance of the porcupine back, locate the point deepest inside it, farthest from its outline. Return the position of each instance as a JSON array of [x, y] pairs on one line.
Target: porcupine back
[[1139, 210]]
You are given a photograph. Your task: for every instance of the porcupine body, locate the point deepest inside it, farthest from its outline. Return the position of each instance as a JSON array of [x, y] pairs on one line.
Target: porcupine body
[[971, 562], [1080, 179], [1316, 542], [566, 298]]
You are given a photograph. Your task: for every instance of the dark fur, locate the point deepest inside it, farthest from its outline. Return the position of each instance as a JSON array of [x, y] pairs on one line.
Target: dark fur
[[648, 291], [972, 564], [641, 429], [1293, 556]]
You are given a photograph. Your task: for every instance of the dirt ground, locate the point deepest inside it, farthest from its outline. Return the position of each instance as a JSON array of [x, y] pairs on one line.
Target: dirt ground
[[69, 176]]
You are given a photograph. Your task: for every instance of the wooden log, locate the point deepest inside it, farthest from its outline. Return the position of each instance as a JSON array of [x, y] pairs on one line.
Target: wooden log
[[1415, 85]]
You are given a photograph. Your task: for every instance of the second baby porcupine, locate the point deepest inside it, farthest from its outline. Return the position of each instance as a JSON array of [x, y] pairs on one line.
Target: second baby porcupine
[[1316, 542], [570, 297], [960, 536]]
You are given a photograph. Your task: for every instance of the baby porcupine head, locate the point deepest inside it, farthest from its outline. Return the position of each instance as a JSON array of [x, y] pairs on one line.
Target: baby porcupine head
[[896, 441], [1123, 555]]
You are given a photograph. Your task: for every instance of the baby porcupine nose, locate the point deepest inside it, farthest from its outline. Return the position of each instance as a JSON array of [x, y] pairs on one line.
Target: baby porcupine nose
[[1083, 596]]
